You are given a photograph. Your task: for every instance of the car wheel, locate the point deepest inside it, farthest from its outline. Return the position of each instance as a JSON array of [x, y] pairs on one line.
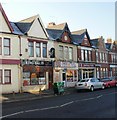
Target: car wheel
[[92, 88], [103, 86], [116, 85]]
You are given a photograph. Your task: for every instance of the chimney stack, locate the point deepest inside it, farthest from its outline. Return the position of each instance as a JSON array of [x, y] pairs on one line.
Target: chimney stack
[[109, 40], [51, 24]]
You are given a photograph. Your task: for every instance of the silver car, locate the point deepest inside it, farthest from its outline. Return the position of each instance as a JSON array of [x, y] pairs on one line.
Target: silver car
[[89, 84]]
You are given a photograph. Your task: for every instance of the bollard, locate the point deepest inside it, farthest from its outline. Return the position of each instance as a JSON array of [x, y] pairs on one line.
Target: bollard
[[40, 91], [13, 94]]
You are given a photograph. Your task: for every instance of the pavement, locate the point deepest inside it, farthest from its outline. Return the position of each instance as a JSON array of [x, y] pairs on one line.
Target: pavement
[[24, 96]]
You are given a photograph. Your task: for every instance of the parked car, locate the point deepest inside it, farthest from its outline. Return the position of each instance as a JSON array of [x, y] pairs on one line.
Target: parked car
[[109, 82], [113, 81], [89, 84]]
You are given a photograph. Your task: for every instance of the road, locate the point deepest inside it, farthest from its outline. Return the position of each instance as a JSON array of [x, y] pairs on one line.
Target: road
[[97, 104]]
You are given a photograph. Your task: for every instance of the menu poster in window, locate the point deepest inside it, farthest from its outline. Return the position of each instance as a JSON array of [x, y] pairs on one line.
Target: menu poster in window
[[26, 78], [42, 81], [34, 80]]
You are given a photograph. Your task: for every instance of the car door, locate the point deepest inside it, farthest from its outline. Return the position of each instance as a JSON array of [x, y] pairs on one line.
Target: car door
[[97, 83], [94, 83]]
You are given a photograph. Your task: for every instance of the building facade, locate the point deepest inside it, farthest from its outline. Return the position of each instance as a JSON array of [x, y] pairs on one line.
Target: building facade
[[65, 67]]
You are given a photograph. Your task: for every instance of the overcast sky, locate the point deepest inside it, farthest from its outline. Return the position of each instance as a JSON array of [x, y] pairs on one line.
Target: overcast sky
[[98, 17]]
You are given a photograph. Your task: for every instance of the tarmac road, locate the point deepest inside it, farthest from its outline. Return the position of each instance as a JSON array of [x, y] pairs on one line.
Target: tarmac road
[[97, 104]]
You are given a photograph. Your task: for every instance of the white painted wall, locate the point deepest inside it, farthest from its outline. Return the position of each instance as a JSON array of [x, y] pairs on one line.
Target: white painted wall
[[3, 25], [15, 84], [36, 30]]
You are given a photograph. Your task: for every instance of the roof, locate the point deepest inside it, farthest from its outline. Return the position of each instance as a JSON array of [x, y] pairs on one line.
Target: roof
[[108, 46], [23, 27], [16, 30], [58, 27], [5, 17], [54, 34], [79, 35], [29, 20], [94, 42], [79, 32], [55, 31], [77, 39]]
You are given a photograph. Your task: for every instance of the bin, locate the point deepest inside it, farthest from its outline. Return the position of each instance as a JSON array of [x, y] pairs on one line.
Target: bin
[[58, 88]]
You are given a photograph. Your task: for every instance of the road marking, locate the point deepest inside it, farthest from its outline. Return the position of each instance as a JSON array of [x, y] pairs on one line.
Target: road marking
[[42, 109], [12, 114], [65, 104]]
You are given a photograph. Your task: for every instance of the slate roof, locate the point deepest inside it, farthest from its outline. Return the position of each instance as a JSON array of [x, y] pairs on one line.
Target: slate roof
[[15, 29], [54, 34], [24, 27], [94, 43], [78, 39], [108, 46], [78, 36]]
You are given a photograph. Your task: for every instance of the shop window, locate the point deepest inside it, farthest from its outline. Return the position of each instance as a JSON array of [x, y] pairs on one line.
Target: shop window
[[7, 76], [42, 79], [69, 75], [0, 76], [6, 46]]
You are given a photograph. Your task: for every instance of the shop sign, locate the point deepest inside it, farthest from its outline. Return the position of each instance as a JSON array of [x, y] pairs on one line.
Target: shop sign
[[36, 62], [66, 64], [86, 65]]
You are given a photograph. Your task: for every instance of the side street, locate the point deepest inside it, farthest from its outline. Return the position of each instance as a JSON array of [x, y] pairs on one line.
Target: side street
[[33, 57]]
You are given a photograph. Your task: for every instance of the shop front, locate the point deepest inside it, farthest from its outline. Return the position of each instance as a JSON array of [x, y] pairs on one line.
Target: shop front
[[86, 70], [36, 75], [66, 72]]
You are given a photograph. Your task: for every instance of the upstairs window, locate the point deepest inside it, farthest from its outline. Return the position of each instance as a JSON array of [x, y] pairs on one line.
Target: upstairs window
[[70, 53], [82, 55], [66, 53], [6, 42], [0, 46], [38, 50], [44, 50], [31, 49], [61, 55]]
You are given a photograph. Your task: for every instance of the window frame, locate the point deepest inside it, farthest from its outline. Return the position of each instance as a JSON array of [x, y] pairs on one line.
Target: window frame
[[7, 76], [44, 48], [0, 45], [38, 48], [31, 48], [7, 46], [1, 76]]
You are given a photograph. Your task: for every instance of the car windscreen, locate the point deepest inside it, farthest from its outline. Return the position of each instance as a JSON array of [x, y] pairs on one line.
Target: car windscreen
[[105, 79], [84, 80]]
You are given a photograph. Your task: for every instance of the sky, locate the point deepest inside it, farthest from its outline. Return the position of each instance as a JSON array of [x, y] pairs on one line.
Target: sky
[[97, 17]]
